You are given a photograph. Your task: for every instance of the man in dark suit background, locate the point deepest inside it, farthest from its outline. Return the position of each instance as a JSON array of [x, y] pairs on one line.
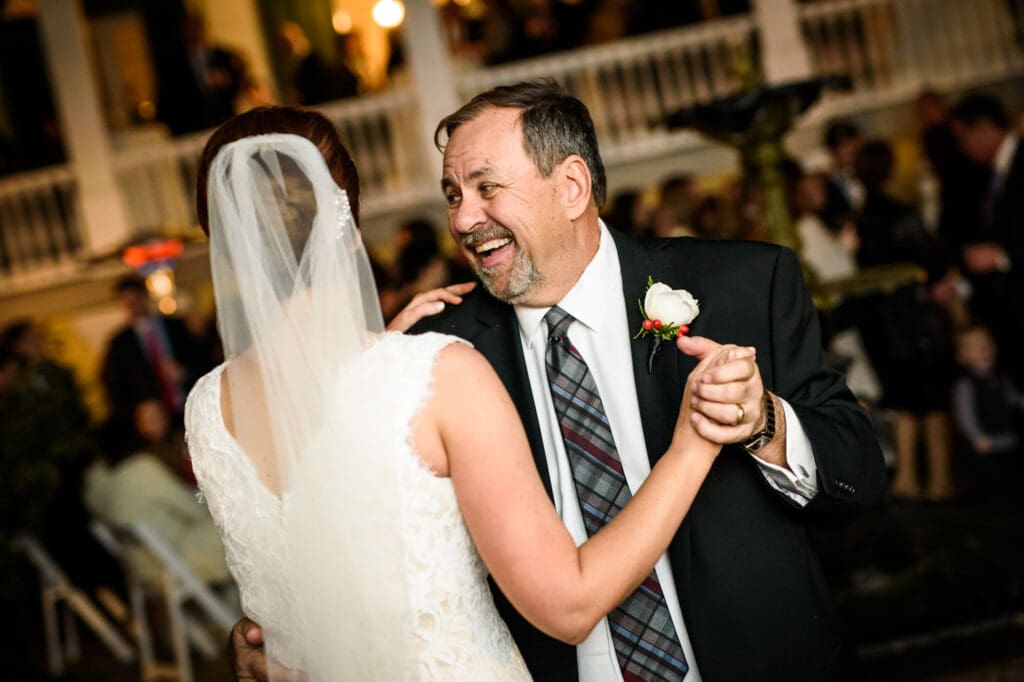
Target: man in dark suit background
[[199, 82], [524, 180], [993, 252], [151, 356]]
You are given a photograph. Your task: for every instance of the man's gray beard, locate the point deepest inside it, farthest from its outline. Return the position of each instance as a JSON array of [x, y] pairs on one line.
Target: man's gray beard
[[523, 278]]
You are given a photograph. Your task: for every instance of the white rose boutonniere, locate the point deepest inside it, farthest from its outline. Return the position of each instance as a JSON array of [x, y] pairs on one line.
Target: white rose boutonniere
[[667, 312]]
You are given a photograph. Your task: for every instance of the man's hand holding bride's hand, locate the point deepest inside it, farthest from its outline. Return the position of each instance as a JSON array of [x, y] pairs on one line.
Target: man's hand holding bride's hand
[[728, 397], [429, 303], [249, 658], [693, 426]]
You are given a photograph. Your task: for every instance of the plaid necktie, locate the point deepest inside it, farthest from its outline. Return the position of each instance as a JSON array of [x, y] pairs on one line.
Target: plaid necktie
[[645, 639]]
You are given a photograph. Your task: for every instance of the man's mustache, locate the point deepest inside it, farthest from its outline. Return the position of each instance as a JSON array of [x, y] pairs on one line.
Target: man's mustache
[[485, 234]]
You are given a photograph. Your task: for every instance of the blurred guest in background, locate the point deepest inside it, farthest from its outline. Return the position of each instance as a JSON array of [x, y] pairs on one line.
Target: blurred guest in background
[[314, 79], [47, 439], [155, 435], [625, 213], [151, 356], [124, 489], [908, 336], [200, 89], [419, 266], [961, 181], [987, 409], [679, 197], [845, 192], [993, 254]]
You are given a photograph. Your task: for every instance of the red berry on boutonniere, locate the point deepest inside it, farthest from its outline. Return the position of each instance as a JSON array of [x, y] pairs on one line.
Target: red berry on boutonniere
[[666, 313]]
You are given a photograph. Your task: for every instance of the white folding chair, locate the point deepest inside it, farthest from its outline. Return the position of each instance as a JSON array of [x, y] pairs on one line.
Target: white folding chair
[[57, 590], [178, 585]]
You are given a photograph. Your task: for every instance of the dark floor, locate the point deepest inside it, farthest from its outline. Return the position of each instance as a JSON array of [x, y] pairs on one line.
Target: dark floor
[[930, 592]]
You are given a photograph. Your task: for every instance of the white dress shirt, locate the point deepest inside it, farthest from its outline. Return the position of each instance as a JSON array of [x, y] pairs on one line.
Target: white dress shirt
[[600, 332]]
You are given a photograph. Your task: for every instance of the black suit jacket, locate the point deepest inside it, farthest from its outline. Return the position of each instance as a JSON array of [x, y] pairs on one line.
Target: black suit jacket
[[752, 593], [129, 378], [993, 290]]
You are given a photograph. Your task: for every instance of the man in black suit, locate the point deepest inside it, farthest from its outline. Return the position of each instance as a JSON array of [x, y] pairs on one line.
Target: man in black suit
[[993, 253], [152, 356], [752, 597], [524, 180]]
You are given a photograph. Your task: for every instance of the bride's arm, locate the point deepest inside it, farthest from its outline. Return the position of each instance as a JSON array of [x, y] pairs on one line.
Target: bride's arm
[[561, 589]]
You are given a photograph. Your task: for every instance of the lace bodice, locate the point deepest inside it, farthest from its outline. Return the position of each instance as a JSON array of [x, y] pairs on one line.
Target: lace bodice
[[457, 632]]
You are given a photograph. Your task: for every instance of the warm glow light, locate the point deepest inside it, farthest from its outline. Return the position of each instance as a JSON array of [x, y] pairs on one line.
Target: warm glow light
[[342, 22], [160, 283], [167, 305], [388, 13], [462, 3]]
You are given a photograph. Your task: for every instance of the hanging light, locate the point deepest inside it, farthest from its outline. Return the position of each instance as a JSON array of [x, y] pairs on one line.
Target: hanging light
[[388, 13]]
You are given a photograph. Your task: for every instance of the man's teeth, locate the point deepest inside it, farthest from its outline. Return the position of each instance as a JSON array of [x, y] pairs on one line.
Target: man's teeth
[[492, 244]]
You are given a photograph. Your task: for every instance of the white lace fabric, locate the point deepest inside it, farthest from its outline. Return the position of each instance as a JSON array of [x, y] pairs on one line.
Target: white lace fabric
[[457, 631]]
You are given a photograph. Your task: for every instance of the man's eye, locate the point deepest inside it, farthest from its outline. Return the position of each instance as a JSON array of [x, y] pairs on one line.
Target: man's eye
[[452, 199], [487, 188]]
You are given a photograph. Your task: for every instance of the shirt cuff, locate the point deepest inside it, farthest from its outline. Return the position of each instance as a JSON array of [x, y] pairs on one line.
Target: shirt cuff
[[798, 481]]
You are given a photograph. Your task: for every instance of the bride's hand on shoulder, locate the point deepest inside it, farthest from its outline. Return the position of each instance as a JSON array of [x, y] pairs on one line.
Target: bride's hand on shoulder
[[693, 428], [429, 303]]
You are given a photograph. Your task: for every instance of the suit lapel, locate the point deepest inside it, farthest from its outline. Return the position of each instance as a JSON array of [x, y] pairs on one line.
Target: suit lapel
[[659, 391], [498, 340]]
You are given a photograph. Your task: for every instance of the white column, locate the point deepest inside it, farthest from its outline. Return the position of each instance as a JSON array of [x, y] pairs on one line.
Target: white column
[[783, 53], [433, 81], [104, 219]]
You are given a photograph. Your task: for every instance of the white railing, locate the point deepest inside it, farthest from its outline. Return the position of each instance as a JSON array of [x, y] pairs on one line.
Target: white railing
[[889, 48], [380, 133], [158, 176], [39, 233], [631, 85], [893, 48]]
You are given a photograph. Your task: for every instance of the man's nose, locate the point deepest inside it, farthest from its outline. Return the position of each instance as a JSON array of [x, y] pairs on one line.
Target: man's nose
[[467, 216]]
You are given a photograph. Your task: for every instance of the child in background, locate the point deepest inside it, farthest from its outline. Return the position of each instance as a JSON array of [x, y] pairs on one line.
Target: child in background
[[986, 408], [153, 427]]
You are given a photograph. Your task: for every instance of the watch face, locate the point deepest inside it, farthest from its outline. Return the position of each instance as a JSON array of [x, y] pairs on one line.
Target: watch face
[[758, 442]]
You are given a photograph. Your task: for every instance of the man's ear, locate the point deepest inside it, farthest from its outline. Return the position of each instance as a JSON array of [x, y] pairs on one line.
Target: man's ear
[[574, 186]]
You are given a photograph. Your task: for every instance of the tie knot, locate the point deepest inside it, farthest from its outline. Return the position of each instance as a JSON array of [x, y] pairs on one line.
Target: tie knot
[[558, 322]]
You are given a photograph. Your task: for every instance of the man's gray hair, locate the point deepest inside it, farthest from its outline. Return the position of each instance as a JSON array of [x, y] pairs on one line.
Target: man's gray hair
[[555, 126]]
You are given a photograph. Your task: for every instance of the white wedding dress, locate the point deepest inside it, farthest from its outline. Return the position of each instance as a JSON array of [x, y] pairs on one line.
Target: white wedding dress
[[457, 632]]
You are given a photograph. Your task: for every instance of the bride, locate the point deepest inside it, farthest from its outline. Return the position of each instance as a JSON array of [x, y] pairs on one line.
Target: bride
[[366, 482]]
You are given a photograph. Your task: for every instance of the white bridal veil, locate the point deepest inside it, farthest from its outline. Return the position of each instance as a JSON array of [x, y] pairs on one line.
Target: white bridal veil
[[296, 303]]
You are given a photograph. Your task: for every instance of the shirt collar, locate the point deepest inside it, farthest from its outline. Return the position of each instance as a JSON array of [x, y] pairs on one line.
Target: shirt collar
[[587, 300], [1004, 155]]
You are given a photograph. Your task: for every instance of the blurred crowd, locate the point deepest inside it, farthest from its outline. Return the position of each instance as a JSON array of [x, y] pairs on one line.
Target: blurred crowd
[[198, 82], [935, 359]]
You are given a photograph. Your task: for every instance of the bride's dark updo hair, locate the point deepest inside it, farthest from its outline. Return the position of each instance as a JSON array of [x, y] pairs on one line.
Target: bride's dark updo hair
[[306, 123]]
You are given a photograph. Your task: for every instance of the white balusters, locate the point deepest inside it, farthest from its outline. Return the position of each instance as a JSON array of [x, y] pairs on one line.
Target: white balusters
[[634, 83], [889, 47], [39, 236]]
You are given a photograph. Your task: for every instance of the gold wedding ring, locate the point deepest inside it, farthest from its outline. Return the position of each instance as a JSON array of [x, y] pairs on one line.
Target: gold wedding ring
[[740, 414]]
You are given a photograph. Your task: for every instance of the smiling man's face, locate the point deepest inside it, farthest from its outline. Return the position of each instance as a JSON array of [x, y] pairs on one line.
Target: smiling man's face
[[504, 215]]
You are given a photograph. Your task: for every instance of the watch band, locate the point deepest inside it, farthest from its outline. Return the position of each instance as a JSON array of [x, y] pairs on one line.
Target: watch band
[[765, 435]]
